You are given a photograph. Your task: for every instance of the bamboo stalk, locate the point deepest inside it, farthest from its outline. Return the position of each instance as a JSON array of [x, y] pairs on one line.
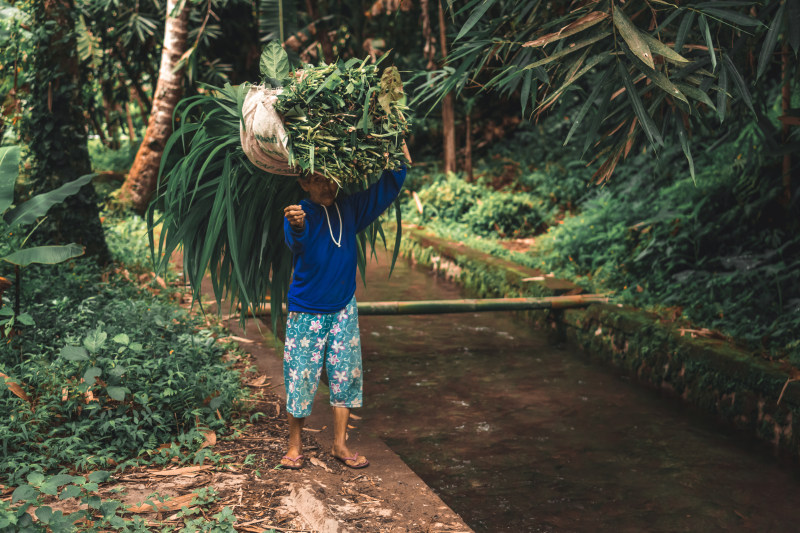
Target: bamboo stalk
[[433, 307]]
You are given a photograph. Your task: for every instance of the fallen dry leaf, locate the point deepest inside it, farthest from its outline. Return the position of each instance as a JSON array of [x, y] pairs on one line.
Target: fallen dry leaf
[[317, 462], [260, 381], [181, 471], [172, 504], [210, 440], [15, 388]]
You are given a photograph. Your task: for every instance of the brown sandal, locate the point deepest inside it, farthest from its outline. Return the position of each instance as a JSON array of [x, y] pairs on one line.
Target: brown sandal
[[295, 465]]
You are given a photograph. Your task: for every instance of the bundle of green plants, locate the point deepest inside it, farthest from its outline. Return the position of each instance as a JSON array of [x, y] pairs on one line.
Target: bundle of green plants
[[227, 214], [342, 120]]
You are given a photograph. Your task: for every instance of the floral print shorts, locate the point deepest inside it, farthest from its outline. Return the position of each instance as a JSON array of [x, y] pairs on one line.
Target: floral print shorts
[[313, 338]]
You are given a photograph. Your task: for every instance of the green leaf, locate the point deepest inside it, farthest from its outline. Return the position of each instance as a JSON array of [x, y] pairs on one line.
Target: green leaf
[[526, 90], [99, 476], [473, 19], [40, 204], [274, 62], [578, 119], [70, 491], [9, 170], [35, 478], [49, 488], [92, 373], [770, 41], [24, 492], [44, 514], [731, 16], [683, 30], [95, 340], [121, 338], [633, 38], [645, 120], [74, 353], [709, 42], [696, 94], [739, 82], [657, 47], [722, 95], [793, 26], [686, 146], [117, 393], [44, 255], [25, 319]]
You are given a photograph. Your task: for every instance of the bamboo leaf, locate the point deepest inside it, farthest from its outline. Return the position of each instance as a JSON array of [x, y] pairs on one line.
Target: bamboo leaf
[[722, 95], [632, 37], [659, 78], [709, 42], [645, 120], [657, 47], [526, 90], [732, 16], [572, 48], [598, 117], [583, 23], [686, 146], [739, 82], [696, 94], [473, 19], [793, 25], [683, 30], [576, 122], [770, 41]]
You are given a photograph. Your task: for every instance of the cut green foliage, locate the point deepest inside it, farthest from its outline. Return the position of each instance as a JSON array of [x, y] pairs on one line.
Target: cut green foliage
[[344, 121]]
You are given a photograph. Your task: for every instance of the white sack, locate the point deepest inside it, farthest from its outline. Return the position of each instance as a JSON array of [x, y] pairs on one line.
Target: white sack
[[263, 137]]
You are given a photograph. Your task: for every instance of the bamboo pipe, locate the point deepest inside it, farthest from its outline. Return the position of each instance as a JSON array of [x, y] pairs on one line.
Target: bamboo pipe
[[434, 307]]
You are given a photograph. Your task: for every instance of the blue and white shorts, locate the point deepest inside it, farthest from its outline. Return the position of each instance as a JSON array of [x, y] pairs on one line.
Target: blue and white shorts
[[313, 338]]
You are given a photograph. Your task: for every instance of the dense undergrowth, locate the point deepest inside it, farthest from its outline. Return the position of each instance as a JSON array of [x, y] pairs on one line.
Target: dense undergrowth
[[103, 374], [722, 252]]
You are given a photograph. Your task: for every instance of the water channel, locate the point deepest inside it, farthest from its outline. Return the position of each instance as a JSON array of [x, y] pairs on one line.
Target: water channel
[[518, 435]]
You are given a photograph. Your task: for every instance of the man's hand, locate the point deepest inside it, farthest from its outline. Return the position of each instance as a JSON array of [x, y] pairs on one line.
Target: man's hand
[[295, 215]]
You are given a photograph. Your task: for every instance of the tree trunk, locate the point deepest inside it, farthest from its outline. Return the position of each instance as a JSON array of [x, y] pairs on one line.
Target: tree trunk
[[54, 128], [448, 105], [138, 189]]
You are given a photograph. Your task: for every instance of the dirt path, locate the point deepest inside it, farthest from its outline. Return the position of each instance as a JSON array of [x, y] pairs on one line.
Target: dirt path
[[324, 496]]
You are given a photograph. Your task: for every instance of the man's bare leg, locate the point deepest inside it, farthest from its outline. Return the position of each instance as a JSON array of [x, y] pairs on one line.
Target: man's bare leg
[[295, 442], [341, 415]]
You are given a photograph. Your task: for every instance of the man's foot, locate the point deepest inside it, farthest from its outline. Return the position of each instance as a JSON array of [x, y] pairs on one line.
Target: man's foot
[[354, 461], [292, 463]]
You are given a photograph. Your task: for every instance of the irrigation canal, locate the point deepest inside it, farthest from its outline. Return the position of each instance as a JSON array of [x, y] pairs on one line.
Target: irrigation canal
[[518, 435]]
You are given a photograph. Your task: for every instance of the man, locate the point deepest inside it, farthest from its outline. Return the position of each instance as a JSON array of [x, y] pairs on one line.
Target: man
[[322, 326]]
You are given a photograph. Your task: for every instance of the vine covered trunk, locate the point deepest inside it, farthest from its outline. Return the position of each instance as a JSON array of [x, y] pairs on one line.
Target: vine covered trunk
[[143, 176], [55, 131]]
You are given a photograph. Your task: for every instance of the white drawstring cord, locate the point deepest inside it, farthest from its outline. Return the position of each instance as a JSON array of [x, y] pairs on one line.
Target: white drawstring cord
[[330, 229]]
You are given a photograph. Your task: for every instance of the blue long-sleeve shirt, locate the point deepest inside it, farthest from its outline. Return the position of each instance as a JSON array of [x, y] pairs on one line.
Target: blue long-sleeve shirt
[[324, 278]]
